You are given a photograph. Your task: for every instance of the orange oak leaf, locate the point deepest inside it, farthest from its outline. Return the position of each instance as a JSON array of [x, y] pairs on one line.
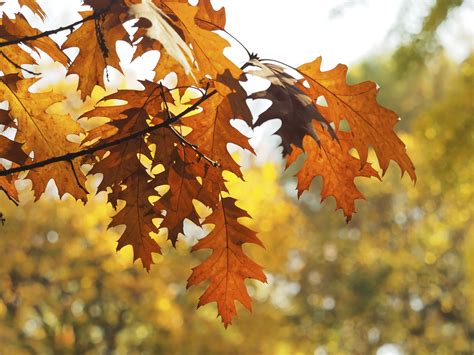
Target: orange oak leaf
[[120, 162], [19, 27], [34, 6], [210, 126], [207, 45], [96, 42], [122, 166], [227, 267], [331, 160], [370, 123], [44, 132], [10, 56], [184, 187]]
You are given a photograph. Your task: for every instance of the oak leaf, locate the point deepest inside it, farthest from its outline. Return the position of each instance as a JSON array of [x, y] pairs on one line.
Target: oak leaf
[[214, 121], [44, 133], [227, 267], [332, 160], [34, 7], [162, 151], [183, 188], [19, 27], [370, 123], [290, 103], [94, 55], [137, 216]]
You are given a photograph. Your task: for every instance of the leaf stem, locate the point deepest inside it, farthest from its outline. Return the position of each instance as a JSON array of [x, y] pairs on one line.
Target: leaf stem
[[17, 65]]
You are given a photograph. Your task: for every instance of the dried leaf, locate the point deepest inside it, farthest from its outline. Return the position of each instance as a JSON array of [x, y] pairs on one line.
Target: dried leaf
[[44, 133], [93, 56], [370, 123], [290, 103], [137, 216], [34, 6], [227, 267]]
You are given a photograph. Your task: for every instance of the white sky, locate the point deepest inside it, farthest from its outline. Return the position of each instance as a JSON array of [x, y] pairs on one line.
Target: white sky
[[300, 30]]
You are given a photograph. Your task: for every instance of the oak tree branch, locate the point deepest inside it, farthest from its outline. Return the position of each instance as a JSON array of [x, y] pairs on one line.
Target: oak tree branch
[[70, 27], [91, 150]]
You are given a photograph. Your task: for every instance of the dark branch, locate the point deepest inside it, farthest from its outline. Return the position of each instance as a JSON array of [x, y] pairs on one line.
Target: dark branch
[[91, 150], [17, 65], [70, 27]]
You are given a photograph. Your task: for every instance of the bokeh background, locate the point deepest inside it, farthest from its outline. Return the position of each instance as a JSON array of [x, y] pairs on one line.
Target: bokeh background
[[398, 279]]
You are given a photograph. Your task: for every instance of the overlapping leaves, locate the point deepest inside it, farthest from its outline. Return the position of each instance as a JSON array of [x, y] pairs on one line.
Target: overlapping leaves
[[162, 149]]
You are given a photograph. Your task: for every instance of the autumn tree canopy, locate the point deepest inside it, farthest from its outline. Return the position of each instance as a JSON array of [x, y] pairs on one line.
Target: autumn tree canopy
[[163, 149]]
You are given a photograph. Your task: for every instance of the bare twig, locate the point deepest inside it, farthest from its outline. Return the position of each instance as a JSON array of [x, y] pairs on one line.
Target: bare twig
[[194, 147]]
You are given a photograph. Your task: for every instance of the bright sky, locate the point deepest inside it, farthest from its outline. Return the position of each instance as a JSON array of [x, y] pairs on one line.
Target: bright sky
[[300, 30]]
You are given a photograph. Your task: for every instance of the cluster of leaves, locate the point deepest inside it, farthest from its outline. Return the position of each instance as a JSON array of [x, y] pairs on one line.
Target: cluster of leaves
[[163, 157]]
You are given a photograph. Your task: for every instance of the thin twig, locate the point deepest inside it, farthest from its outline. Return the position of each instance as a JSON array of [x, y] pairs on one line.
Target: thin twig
[[250, 54], [91, 150], [230, 34], [194, 147], [17, 65], [183, 140], [77, 177], [163, 97], [70, 27]]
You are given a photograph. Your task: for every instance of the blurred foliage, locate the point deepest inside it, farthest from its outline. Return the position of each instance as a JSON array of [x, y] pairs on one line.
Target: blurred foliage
[[401, 272], [422, 45]]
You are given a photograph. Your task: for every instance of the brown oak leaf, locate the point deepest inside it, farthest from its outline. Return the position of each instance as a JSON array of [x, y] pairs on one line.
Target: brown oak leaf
[[290, 103]]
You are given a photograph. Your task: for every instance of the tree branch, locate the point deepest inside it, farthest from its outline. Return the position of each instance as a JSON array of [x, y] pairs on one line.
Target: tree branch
[[70, 27], [91, 150]]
